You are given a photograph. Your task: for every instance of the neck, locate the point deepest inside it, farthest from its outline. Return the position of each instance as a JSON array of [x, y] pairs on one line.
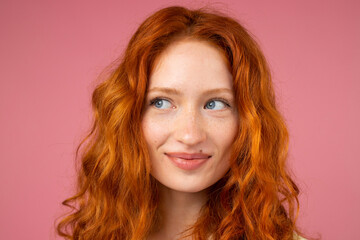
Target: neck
[[178, 210]]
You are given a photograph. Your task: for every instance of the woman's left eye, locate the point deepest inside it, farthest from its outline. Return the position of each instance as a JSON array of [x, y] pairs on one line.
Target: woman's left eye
[[216, 105]]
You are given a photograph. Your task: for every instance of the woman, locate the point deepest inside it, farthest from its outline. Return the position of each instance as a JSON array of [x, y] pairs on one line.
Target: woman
[[187, 141]]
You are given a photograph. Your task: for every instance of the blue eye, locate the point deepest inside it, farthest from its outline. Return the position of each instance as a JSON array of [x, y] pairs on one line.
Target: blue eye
[[216, 105], [160, 103]]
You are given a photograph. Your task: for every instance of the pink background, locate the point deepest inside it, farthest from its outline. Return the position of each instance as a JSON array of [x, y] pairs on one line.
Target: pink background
[[52, 51]]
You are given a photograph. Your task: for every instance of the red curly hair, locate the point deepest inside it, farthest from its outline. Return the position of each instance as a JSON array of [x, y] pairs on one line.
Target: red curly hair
[[117, 198]]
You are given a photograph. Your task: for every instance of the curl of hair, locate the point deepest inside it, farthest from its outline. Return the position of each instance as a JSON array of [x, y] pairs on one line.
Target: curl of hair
[[117, 197]]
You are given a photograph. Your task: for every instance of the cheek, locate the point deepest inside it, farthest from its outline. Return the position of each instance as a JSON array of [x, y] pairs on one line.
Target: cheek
[[154, 131], [224, 135], [224, 132]]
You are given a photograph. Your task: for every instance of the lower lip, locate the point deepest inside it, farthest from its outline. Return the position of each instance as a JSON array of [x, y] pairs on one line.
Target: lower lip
[[188, 164]]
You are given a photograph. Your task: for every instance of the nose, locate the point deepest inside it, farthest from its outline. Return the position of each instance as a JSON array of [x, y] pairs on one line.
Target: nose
[[190, 127]]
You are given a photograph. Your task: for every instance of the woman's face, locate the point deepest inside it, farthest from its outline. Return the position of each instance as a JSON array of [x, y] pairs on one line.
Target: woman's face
[[190, 119]]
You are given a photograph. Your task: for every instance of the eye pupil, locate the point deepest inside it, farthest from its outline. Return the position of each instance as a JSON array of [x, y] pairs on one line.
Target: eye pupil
[[159, 103], [211, 104]]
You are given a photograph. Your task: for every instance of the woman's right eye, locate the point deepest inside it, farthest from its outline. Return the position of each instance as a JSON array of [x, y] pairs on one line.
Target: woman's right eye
[[160, 103]]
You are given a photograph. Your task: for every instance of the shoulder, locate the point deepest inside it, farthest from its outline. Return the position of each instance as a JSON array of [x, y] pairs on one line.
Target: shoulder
[[298, 237]]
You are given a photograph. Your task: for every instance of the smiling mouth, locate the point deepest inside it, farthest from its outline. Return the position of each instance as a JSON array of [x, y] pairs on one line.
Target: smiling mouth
[[188, 156], [188, 161]]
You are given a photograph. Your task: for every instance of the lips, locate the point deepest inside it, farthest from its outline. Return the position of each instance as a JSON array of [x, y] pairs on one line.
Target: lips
[[188, 161]]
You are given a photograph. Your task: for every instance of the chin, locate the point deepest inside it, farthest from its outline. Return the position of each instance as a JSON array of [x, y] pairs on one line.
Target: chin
[[190, 186], [190, 189]]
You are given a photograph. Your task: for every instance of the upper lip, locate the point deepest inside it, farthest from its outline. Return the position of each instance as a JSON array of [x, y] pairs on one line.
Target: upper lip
[[188, 156]]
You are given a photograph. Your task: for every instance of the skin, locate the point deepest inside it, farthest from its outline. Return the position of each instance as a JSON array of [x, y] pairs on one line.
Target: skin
[[190, 109]]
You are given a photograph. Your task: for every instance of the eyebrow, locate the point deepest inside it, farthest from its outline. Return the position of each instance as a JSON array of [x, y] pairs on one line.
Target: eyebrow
[[174, 91]]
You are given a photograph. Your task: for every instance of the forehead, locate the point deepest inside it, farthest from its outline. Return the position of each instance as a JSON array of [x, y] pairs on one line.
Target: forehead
[[191, 60]]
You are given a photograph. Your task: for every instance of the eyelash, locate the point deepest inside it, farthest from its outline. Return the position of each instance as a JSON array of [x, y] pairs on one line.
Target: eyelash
[[154, 100], [221, 100]]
